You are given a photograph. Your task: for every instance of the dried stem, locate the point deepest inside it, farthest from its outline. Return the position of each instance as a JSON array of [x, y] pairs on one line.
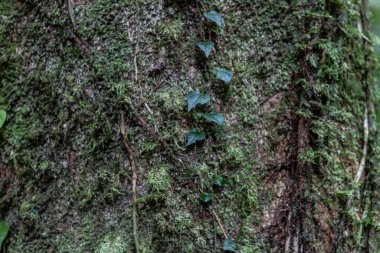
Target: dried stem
[[361, 167], [132, 162], [135, 64], [71, 14], [75, 37], [220, 224]]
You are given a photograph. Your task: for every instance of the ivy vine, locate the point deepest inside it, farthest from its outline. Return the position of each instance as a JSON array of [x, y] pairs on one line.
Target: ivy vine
[[196, 98]]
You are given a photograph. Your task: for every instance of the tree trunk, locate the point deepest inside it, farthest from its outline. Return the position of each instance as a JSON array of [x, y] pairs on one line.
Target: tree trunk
[[94, 155]]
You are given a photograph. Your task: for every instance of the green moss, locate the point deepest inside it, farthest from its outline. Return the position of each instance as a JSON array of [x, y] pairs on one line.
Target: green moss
[[28, 209], [233, 156], [307, 157], [171, 100], [158, 179], [170, 31], [205, 175], [112, 243]]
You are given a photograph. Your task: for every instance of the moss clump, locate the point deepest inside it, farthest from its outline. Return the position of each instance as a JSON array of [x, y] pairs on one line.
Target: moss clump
[[158, 179], [171, 100], [205, 175], [170, 31], [233, 156], [112, 243]]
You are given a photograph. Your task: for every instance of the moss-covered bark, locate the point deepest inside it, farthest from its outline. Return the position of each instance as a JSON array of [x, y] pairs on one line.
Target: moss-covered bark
[[290, 149]]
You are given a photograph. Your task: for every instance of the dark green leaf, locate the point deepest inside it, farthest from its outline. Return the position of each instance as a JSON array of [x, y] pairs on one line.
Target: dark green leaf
[[206, 47], [221, 181], [223, 74], [214, 117], [195, 97], [214, 17], [195, 135], [3, 116], [205, 197], [4, 229], [229, 245]]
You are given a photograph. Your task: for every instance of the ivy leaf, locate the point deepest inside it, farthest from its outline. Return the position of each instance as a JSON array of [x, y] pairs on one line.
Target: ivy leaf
[[229, 245], [206, 47], [195, 135], [223, 74], [214, 17], [195, 97], [214, 117], [3, 116], [221, 181], [4, 229], [205, 197]]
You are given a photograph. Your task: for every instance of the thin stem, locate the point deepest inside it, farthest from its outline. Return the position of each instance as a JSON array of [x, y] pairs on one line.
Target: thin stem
[[220, 224], [132, 162]]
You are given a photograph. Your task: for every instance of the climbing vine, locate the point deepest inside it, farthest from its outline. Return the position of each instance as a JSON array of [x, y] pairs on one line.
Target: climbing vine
[[195, 98]]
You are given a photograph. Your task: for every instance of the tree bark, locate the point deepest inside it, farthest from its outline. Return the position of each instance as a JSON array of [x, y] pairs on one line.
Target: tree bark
[[292, 169]]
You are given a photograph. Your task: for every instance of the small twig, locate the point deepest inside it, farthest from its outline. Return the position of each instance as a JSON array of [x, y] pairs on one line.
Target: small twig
[[214, 225], [135, 50], [220, 224], [132, 162], [82, 44], [135, 63], [361, 167], [148, 108], [69, 160], [361, 228], [71, 14], [202, 5]]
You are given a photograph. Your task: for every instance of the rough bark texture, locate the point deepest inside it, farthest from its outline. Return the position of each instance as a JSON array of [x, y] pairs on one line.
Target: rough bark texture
[[299, 146]]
